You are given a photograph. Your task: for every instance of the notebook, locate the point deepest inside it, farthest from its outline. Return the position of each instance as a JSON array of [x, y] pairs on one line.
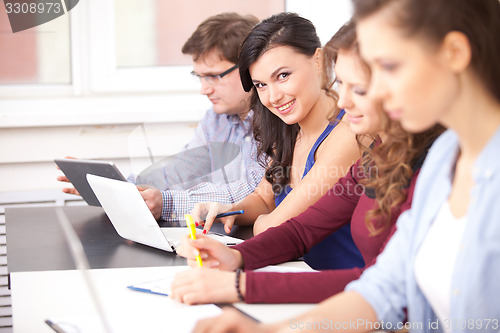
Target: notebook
[[77, 169], [133, 220]]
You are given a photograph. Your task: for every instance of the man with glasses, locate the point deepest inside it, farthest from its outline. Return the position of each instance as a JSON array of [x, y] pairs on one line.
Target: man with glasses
[[219, 164], [214, 47]]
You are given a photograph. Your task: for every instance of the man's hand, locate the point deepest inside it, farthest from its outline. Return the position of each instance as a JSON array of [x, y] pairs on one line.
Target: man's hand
[[64, 179], [153, 198]]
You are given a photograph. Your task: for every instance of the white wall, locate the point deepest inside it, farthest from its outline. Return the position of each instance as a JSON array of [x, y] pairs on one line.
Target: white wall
[[26, 154], [327, 15]]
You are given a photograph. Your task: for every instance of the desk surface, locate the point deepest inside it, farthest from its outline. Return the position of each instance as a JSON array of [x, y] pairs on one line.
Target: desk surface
[[37, 251], [35, 241], [63, 296]]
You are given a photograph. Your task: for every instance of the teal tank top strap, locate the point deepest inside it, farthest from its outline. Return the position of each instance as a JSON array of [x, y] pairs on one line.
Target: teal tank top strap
[[310, 158]]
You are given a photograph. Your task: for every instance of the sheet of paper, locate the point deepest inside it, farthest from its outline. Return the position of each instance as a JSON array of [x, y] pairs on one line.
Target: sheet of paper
[[63, 295], [179, 320], [160, 286], [287, 267], [270, 313]]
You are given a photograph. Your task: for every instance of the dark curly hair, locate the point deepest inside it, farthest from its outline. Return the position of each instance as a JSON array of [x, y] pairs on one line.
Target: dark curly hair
[[395, 160], [389, 165]]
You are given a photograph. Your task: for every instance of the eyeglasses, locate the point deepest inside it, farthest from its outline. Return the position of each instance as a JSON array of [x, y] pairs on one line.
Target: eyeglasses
[[213, 79]]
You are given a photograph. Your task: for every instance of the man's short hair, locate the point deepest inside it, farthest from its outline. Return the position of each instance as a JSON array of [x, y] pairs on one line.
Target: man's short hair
[[223, 33]]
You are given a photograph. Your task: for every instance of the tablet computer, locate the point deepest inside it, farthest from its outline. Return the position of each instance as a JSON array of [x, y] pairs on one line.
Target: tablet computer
[[76, 170]]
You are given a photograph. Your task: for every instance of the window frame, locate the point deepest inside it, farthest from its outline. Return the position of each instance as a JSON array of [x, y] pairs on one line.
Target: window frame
[[99, 90], [106, 76]]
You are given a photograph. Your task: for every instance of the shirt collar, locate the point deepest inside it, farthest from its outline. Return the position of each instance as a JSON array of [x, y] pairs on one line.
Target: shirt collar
[[246, 123], [488, 162]]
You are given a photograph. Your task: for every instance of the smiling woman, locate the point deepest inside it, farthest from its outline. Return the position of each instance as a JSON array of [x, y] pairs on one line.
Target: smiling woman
[[281, 64], [292, 88]]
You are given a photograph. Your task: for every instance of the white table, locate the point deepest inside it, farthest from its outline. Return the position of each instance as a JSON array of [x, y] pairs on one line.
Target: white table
[[64, 296]]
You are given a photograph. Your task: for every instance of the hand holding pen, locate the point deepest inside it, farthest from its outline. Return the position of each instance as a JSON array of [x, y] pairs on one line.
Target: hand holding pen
[[192, 235], [205, 214], [203, 250]]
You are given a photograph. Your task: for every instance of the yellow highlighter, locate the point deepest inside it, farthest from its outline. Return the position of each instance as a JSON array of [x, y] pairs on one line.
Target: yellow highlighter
[[192, 233]]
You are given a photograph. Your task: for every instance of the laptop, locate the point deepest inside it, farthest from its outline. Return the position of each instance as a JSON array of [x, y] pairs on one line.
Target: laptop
[[77, 169], [133, 220]]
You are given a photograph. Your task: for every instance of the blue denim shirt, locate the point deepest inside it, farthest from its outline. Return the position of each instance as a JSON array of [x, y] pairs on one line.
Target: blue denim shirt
[[390, 285]]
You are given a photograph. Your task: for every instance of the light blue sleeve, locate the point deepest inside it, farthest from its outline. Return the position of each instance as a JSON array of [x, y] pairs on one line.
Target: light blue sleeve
[[383, 285], [387, 284]]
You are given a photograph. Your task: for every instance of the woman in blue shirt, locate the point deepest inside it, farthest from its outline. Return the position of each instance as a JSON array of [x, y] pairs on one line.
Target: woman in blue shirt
[[281, 63], [431, 61]]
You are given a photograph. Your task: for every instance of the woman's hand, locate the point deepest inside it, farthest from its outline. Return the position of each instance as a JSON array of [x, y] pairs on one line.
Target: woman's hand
[[64, 179], [212, 252], [208, 211], [232, 321], [202, 285]]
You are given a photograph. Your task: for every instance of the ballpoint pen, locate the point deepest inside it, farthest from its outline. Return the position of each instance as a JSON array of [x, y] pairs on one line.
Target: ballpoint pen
[[192, 234], [236, 212], [54, 326]]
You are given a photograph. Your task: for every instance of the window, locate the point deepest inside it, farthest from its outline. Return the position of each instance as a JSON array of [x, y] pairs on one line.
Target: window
[[121, 57], [152, 32], [40, 55], [141, 50]]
